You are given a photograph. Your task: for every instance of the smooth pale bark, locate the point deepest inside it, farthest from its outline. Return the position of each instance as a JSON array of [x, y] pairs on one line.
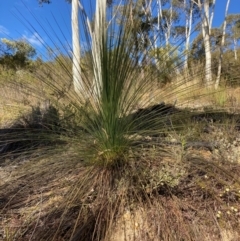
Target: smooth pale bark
[[234, 30], [76, 68], [188, 29], [206, 28], [148, 12], [156, 33], [169, 22], [206, 36], [160, 15], [212, 15], [221, 47], [97, 48], [169, 25], [235, 48]]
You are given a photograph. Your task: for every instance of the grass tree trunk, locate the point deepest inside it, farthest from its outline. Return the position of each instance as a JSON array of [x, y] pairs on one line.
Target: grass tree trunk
[[221, 47], [76, 68]]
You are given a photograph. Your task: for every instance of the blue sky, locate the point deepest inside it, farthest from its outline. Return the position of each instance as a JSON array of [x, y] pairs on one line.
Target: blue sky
[[42, 26], [49, 25]]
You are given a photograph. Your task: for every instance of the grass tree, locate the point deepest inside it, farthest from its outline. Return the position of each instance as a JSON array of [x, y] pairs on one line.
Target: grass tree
[[117, 85], [114, 158]]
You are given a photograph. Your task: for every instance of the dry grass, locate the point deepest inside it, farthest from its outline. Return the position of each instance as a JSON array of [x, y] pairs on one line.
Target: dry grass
[[195, 197], [44, 199], [170, 191]]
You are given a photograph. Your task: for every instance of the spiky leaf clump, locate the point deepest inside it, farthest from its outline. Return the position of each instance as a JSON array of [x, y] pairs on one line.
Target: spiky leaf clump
[[117, 86]]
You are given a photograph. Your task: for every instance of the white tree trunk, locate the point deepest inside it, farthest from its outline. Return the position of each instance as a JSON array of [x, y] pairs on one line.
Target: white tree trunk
[[188, 30], [97, 46], [169, 26], [76, 68], [206, 39], [160, 16], [212, 14], [221, 47], [208, 63], [235, 49], [157, 43]]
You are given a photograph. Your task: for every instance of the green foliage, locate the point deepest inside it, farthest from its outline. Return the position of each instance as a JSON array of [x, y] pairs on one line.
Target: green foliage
[[167, 59], [230, 66], [16, 54], [19, 47]]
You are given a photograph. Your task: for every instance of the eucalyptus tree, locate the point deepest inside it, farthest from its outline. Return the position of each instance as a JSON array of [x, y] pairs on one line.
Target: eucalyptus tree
[[187, 7], [168, 17], [206, 8], [76, 46], [141, 24], [76, 69], [15, 54], [197, 48], [160, 5], [153, 25], [146, 26], [190, 14], [221, 45], [160, 20], [233, 29]]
